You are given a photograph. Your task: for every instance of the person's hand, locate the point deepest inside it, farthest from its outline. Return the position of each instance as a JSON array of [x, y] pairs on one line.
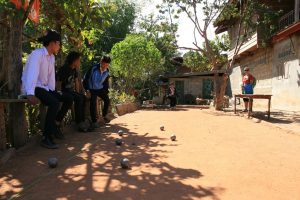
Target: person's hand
[[88, 94], [32, 100]]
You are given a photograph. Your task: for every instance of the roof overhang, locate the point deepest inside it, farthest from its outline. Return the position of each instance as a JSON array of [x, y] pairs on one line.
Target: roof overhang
[[286, 32], [195, 74]]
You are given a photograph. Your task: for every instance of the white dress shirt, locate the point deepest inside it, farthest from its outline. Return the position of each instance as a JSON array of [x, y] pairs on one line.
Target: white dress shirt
[[39, 71]]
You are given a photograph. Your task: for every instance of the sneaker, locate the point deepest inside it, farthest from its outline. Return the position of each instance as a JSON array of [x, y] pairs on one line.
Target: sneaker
[[46, 142], [245, 110], [58, 133]]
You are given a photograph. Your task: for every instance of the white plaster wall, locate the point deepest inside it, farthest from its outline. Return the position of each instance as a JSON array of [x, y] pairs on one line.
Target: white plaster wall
[[286, 75], [277, 71]]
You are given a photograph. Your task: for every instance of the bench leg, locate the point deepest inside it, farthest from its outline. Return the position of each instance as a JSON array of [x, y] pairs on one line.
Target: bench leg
[[2, 128], [250, 104], [234, 104], [269, 108]]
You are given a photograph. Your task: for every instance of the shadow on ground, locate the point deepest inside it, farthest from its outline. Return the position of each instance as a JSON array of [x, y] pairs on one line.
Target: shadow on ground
[[89, 169]]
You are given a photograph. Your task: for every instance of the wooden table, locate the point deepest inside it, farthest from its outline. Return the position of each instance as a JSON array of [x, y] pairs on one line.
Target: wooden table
[[251, 97], [18, 125]]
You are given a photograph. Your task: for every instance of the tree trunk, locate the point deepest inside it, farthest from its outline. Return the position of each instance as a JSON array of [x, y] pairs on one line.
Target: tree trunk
[[16, 118], [220, 85]]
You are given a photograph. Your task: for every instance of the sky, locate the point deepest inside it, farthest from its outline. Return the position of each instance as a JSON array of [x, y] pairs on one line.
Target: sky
[[185, 26]]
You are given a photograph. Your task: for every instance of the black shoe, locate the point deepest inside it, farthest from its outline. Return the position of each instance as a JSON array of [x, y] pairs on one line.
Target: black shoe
[[51, 139], [46, 142], [106, 120], [58, 133]]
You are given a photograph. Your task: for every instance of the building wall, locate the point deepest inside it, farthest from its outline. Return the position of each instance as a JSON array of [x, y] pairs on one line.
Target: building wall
[[277, 72], [192, 85]]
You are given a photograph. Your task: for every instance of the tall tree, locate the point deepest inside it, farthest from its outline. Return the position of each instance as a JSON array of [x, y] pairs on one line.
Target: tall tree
[[135, 59], [163, 34], [122, 20], [199, 62]]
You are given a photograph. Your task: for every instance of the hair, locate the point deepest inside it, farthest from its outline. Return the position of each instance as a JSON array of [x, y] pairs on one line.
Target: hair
[[106, 59], [71, 57], [50, 36]]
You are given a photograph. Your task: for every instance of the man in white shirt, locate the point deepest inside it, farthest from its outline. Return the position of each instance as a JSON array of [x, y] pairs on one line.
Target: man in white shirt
[[38, 84]]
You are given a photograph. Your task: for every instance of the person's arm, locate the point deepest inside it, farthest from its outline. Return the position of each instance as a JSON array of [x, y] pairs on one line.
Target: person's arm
[[251, 79], [77, 85], [51, 80], [32, 72]]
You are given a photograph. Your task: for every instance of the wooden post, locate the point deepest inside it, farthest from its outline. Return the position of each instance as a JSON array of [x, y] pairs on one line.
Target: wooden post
[[269, 108], [234, 104], [15, 67], [249, 106], [2, 128], [297, 10]]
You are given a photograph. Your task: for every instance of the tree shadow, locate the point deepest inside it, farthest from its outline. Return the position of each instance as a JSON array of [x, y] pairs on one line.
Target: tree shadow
[[89, 168], [276, 117]]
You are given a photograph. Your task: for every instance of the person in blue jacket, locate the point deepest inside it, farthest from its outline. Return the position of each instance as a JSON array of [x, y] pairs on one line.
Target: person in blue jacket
[[96, 85]]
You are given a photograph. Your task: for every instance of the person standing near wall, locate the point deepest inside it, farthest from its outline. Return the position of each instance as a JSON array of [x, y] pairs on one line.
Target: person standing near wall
[[172, 95], [248, 87]]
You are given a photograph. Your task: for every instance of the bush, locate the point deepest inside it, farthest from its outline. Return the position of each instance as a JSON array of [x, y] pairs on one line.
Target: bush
[[117, 97]]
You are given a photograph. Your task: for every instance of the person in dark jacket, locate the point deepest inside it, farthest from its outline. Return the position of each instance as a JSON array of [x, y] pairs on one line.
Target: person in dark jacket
[[68, 78], [97, 86]]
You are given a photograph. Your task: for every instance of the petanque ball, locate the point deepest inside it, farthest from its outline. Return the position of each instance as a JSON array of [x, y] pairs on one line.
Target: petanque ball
[[120, 132], [162, 128], [119, 142], [52, 162], [124, 163], [173, 137]]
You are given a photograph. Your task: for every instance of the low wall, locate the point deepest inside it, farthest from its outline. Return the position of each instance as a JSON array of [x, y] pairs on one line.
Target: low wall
[[125, 108]]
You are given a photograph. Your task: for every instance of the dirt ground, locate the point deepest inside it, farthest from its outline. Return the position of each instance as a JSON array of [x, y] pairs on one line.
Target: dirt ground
[[216, 156]]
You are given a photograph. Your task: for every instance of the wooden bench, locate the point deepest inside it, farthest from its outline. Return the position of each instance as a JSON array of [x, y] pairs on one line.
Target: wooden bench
[[251, 97]]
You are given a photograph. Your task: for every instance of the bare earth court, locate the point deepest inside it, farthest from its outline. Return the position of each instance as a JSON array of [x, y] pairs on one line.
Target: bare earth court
[[216, 156]]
